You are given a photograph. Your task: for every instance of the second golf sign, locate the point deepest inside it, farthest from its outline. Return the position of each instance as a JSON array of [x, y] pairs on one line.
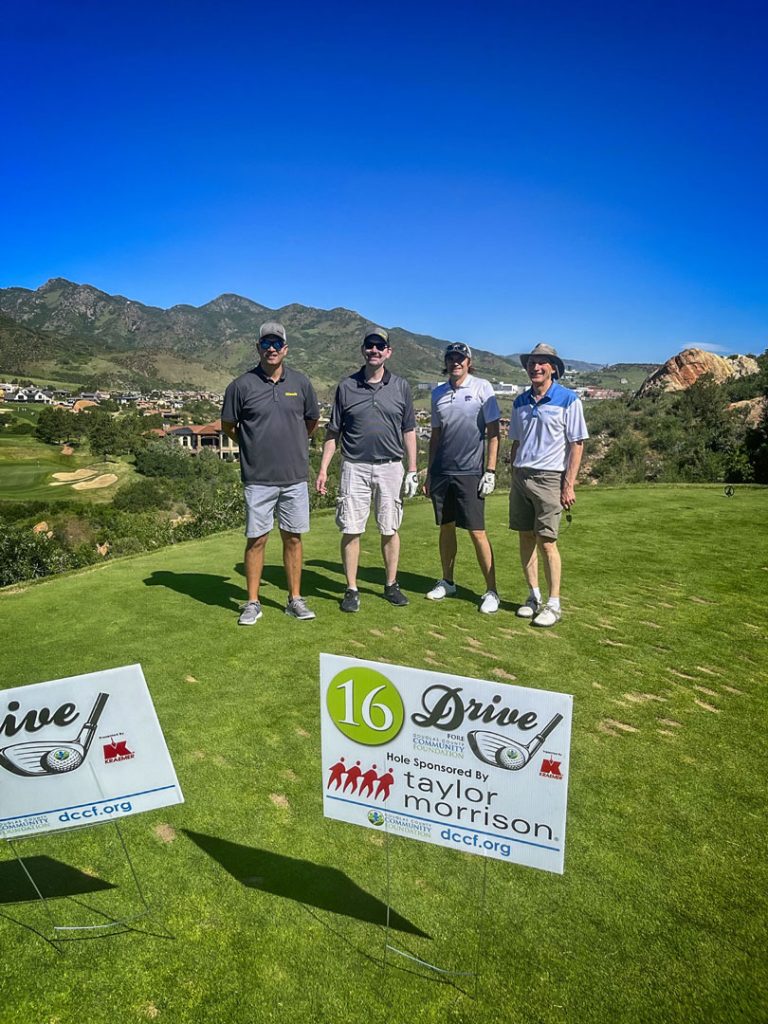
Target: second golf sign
[[446, 759]]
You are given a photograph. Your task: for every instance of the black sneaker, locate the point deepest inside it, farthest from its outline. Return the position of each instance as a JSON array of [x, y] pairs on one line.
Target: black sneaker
[[351, 601], [394, 594]]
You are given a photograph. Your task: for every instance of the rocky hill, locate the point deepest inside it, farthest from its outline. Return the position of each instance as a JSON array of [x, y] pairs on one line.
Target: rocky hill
[[682, 370], [75, 332]]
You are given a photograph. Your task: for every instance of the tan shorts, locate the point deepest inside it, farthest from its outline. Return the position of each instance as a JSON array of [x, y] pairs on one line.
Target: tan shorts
[[366, 483], [534, 501]]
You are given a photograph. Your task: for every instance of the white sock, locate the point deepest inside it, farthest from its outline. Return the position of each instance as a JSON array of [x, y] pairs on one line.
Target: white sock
[[536, 593], [554, 602]]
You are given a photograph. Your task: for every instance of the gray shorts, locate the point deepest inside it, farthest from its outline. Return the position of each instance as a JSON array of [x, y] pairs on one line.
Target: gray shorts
[[291, 502], [534, 501], [366, 483]]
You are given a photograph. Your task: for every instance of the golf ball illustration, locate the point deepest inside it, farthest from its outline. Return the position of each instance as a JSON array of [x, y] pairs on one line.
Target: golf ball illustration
[[62, 760], [509, 757]]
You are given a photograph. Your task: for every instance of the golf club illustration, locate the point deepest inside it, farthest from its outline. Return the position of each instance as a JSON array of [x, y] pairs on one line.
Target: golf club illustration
[[502, 752], [51, 757]]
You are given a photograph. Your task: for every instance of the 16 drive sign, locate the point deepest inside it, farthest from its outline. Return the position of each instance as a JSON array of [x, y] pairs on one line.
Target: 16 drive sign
[[449, 760], [80, 751]]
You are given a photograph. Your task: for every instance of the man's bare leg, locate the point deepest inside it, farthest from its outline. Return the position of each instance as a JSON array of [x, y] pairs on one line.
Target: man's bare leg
[[292, 557], [390, 549], [448, 549], [552, 565], [254, 564], [350, 557], [529, 558], [484, 553]]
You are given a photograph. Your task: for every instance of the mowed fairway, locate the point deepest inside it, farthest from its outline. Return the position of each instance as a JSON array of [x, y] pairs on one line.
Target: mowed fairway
[[265, 912], [27, 470]]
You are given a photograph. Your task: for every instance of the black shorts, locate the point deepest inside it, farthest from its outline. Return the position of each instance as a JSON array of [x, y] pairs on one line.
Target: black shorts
[[455, 500]]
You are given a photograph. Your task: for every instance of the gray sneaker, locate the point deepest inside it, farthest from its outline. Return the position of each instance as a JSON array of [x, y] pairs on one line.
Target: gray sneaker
[[250, 614], [351, 601], [529, 609], [298, 609]]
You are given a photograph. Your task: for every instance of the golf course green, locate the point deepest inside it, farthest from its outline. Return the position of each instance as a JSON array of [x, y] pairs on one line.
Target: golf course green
[[263, 911]]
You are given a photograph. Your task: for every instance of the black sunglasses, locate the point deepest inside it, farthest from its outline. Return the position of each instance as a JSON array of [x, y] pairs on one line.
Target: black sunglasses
[[380, 345], [275, 343]]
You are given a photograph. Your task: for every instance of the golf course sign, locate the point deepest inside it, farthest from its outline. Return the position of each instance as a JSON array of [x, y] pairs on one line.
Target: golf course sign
[[81, 751], [465, 763]]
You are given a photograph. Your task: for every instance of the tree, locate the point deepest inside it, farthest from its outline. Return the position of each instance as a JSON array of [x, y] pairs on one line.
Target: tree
[[55, 425]]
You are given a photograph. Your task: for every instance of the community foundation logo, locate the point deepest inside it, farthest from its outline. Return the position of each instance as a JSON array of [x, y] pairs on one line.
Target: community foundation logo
[[356, 782], [376, 817], [117, 750]]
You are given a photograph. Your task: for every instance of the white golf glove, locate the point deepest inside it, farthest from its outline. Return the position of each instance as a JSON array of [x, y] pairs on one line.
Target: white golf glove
[[411, 488], [487, 484]]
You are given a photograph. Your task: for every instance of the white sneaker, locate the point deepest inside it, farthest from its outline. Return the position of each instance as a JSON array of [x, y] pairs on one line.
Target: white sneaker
[[529, 609], [489, 602], [548, 616], [440, 590]]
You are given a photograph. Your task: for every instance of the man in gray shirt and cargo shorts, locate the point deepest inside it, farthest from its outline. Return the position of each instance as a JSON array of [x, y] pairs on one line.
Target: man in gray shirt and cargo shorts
[[271, 411], [373, 418]]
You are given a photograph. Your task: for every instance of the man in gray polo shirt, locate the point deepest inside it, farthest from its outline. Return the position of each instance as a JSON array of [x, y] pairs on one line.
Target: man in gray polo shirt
[[461, 473], [373, 418], [271, 411]]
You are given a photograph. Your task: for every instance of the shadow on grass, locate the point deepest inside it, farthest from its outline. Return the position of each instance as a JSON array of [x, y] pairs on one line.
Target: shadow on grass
[[374, 575], [301, 881], [204, 587], [54, 879]]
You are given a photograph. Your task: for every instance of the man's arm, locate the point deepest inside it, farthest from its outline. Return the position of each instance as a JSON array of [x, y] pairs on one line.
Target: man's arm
[[409, 443], [310, 425], [434, 444], [572, 464], [329, 449], [492, 448], [230, 429]]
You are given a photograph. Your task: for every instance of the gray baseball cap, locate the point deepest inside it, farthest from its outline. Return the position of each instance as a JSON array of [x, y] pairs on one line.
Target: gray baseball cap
[[272, 329], [376, 332], [547, 353]]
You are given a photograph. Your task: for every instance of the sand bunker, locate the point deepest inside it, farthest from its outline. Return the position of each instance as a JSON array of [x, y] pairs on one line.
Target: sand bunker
[[105, 480], [79, 474]]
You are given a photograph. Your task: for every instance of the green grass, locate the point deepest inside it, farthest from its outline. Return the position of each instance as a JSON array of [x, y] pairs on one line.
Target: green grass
[[265, 912], [27, 468]]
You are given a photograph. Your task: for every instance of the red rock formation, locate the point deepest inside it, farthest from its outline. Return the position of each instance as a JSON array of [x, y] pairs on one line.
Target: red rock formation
[[684, 369]]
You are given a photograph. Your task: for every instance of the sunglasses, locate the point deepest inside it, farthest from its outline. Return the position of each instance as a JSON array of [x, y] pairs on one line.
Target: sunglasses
[[380, 345], [275, 343]]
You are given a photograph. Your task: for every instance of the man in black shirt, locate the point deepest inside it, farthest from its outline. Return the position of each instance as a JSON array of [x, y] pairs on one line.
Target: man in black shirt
[[271, 411], [373, 419]]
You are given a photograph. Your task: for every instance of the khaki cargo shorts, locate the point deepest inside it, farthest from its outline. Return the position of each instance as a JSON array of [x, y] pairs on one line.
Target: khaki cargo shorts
[[364, 484], [534, 501]]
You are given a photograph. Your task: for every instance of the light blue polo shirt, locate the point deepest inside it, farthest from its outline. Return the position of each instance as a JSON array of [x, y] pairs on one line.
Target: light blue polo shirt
[[545, 428], [462, 414]]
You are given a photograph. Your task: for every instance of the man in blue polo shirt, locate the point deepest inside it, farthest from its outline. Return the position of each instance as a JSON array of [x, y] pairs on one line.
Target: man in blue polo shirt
[[547, 431], [271, 411]]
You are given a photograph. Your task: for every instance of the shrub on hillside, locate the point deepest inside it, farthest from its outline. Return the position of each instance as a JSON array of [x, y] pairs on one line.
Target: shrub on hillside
[[144, 496], [25, 555]]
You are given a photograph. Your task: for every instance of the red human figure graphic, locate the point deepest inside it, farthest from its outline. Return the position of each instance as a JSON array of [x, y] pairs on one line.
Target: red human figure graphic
[[337, 771], [353, 774], [367, 780], [385, 784]]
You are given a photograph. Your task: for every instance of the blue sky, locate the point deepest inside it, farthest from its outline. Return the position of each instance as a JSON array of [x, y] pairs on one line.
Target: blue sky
[[580, 174]]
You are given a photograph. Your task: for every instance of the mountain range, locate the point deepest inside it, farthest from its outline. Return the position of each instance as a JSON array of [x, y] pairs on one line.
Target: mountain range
[[75, 332]]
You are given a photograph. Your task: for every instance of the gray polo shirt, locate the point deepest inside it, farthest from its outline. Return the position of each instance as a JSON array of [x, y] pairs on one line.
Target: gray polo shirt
[[370, 418], [271, 418], [462, 414]]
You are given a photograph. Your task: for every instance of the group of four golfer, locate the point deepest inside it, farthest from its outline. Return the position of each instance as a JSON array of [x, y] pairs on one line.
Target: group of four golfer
[[272, 409]]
